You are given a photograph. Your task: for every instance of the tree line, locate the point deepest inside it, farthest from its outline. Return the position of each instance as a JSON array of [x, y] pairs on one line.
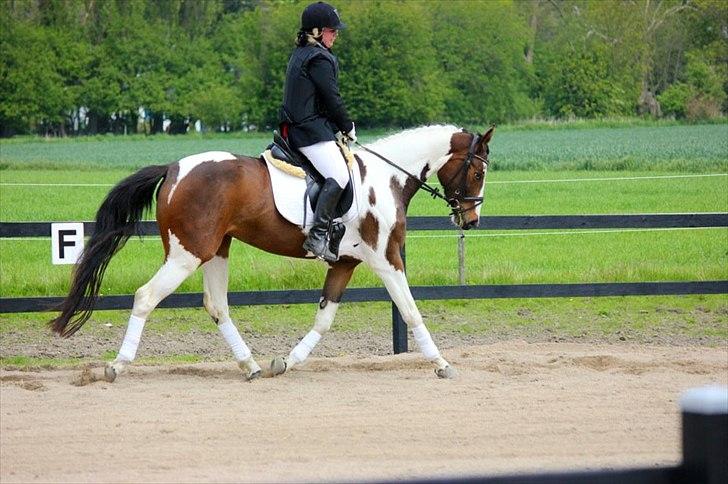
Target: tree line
[[125, 66]]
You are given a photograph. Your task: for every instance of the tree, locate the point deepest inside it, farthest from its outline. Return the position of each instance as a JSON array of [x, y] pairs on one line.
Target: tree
[[480, 48], [389, 73]]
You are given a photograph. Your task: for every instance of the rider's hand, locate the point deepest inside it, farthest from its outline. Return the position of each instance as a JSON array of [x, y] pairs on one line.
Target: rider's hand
[[352, 134]]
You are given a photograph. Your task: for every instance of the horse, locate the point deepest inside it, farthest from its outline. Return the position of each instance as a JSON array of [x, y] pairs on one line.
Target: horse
[[203, 201]]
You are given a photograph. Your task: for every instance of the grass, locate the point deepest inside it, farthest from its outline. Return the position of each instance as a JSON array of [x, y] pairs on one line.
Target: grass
[[505, 194], [32, 363], [499, 258]]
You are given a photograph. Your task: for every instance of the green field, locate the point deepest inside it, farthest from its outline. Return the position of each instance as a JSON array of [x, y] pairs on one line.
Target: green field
[[696, 148], [566, 170]]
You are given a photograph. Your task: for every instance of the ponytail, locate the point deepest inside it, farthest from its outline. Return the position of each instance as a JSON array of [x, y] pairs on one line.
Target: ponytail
[[303, 37]]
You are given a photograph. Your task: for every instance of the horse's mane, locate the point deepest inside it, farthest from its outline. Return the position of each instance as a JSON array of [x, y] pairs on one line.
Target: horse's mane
[[417, 144], [421, 133]]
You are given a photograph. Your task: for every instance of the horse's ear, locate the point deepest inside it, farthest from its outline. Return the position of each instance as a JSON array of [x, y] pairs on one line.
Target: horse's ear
[[488, 134], [485, 139]]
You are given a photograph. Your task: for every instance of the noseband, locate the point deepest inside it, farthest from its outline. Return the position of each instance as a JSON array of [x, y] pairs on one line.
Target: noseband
[[453, 202]]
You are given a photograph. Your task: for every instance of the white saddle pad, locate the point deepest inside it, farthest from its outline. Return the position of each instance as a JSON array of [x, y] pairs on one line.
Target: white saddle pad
[[288, 192]]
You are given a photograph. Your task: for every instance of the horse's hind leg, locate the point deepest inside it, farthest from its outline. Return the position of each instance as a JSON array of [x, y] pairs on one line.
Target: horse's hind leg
[[178, 267], [337, 278], [215, 281]]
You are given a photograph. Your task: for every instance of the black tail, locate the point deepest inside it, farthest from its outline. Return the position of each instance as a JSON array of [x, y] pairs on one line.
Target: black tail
[[117, 219]]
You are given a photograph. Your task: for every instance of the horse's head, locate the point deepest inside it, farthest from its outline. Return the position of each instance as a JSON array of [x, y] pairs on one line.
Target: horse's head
[[463, 176]]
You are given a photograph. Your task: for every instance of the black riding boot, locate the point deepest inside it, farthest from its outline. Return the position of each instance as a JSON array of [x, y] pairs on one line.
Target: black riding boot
[[318, 237]]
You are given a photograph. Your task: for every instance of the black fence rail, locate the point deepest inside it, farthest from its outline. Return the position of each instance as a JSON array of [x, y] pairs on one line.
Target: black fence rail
[[422, 293], [500, 222]]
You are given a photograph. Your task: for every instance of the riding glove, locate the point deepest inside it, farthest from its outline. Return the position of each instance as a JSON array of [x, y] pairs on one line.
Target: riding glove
[[352, 134]]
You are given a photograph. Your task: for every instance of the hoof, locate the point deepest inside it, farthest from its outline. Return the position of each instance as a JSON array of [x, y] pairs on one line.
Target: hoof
[[278, 366], [110, 374], [254, 376], [446, 372]]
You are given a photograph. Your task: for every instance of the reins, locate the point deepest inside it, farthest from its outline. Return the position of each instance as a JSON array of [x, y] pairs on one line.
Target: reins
[[454, 202], [434, 192]]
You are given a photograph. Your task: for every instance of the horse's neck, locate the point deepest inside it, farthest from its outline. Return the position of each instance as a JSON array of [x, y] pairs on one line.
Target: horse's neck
[[417, 149]]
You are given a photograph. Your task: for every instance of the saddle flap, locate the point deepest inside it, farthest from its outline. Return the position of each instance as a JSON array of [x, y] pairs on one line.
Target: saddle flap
[[313, 187], [280, 154]]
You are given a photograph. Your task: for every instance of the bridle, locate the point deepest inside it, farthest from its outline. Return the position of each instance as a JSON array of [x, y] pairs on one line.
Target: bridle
[[454, 202]]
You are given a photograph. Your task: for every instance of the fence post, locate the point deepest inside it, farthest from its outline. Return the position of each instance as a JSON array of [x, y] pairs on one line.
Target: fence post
[[705, 434], [461, 258], [399, 327]]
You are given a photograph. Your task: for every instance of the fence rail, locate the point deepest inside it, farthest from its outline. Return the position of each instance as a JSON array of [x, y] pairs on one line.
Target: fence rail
[[423, 293], [500, 222]]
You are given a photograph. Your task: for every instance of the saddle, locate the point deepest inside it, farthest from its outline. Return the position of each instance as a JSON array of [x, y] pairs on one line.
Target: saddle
[[295, 163]]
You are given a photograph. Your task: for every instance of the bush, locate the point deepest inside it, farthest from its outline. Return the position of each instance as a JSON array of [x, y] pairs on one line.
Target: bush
[[579, 84], [700, 97], [701, 107], [674, 100]]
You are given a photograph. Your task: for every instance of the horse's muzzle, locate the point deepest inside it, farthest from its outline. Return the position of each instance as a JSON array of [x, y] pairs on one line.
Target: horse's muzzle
[[470, 225]]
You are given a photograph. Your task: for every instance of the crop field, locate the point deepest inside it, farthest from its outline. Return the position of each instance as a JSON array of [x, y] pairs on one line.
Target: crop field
[[630, 169], [695, 148]]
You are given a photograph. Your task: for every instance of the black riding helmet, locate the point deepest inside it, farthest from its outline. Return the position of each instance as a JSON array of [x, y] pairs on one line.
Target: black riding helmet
[[320, 15]]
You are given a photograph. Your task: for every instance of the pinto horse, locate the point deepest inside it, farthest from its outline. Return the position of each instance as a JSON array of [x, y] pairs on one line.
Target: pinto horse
[[206, 200]]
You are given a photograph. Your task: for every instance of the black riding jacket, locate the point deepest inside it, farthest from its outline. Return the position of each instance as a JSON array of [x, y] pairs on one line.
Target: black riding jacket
[[312, 105]]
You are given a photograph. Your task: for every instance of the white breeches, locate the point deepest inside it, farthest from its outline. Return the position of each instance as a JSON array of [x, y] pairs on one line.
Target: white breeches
[[328, 160]]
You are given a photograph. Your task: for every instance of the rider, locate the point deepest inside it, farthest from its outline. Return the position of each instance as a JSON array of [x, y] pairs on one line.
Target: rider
[[313, 112]]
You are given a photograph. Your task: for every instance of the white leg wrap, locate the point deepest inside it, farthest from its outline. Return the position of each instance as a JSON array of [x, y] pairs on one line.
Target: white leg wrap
[[232, 336], [131, 339], [304, 347], [424, 341]]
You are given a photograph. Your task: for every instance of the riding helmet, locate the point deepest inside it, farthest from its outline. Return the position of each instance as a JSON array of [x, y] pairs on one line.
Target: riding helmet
[[320, 15]]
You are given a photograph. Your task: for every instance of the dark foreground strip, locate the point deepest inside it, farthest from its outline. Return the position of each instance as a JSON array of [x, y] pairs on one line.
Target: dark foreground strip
[[506, 222], [185, 300], [668, 475]]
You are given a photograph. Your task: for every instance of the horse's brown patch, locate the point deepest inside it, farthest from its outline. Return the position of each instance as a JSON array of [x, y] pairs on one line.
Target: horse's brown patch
[[460, 141], [337, 278], [369, 230], [372, 197], [402, 196], [362, 167], [228, 198]]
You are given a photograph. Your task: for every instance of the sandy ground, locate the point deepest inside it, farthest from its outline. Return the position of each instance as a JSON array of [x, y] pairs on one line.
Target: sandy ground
[[515, 407]]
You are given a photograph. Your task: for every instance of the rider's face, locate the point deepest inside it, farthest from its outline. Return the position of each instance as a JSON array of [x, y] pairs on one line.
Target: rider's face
[[329, 37]]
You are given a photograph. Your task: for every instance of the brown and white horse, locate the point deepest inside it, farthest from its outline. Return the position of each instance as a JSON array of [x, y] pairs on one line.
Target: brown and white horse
[[206, 200]]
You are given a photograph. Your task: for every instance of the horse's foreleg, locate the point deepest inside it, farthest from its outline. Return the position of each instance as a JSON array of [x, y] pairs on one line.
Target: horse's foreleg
[[396, 283], [178, 267], [337, 278], [215, 281]]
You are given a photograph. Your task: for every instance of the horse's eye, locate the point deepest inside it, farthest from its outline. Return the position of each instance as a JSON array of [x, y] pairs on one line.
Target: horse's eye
[[478, 175]]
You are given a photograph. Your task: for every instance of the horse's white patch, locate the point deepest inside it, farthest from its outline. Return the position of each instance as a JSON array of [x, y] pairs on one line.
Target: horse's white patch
[[180, 256], [188, 163], [324, 317]]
